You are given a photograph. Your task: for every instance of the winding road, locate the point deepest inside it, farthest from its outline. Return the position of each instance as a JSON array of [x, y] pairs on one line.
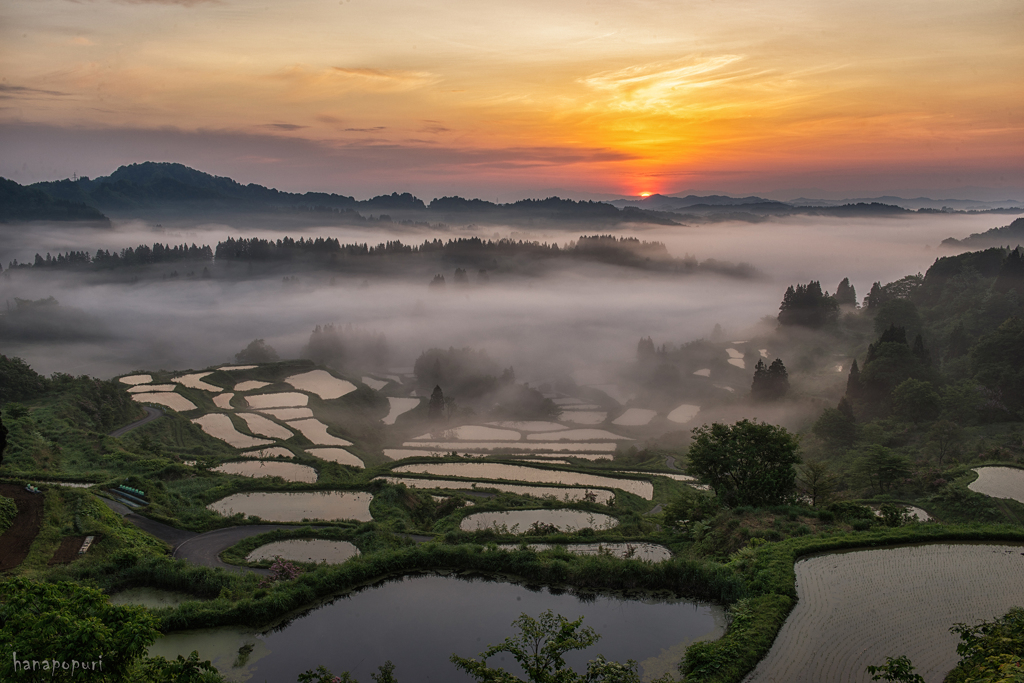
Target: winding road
[[151, 414]]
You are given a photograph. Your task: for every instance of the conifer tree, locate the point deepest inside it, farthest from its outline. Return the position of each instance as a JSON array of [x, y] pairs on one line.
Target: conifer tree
[[435, 409], [845, 293], [853, 385]]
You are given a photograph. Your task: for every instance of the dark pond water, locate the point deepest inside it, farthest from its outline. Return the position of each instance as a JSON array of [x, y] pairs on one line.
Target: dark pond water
[[419, 622]]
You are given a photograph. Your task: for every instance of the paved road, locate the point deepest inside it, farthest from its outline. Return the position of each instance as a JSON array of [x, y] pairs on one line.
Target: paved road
[[170, 535], [151, 414], [670, 463], [205, 549]]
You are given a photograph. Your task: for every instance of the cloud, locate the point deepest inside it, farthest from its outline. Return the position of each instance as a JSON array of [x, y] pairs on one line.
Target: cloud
[[365, 130], [10, 92], [658, 85], [328, 81], [283, 126]]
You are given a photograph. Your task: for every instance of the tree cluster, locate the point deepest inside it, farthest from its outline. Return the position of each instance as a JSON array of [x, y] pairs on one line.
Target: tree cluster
[[770, 382], [807, 306]]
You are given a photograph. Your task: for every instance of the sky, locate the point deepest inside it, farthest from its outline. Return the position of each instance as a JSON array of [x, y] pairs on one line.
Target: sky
[[522, 98]]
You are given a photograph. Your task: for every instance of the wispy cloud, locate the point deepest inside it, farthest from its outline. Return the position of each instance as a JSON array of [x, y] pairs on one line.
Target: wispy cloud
[[337, 78], [658, 85], [10, 92], [283, 126]]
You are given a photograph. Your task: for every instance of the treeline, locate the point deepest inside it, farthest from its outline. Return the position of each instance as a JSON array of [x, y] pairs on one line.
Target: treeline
[[139, 256]]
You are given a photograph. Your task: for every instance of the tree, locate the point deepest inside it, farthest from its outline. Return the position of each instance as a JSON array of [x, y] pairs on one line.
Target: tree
[[807, 306], [915, 401], [3, 440], [645, 349], [770, 383], [836, 428], [882, 468], [816, 482], [436, 407], [853, 385], [258, 351], [69, 623], [895, 670], [944, 439], [539, 648], [748, 463], [845, 293]]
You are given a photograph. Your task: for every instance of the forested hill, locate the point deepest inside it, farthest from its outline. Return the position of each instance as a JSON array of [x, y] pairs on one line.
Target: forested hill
[[18, 203], [1008, 235], [152, 185]]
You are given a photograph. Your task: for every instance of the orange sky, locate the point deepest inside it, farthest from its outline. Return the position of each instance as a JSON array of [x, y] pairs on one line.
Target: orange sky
[[503, 99]]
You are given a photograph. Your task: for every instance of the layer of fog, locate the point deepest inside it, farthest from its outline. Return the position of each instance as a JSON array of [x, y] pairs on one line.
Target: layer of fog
[[583, 319]]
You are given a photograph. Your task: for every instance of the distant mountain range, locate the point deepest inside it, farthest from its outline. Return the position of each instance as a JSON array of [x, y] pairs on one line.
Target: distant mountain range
[[167, 187]]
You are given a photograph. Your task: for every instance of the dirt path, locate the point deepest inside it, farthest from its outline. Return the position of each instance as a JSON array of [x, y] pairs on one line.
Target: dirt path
[[151, 414], [16, 541]]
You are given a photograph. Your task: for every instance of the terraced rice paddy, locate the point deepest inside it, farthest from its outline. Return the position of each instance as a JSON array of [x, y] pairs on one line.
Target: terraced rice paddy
[[285, 399], [857, 608], [295, 507], [578, 435], [584, 417], [649, 552], [471, 432], [703, 372], [260, 425], [635, 417], [251, 385], [270, 452], [561, 493], [738, 362], [999, 482], [338, 455], [520, 521], [229, 368], [195, 381], [734, 353], [615, 392], [684, 413], [223, 401], [305, 550], [219, 426], [136, 379], [287, 414], [529, 446], [530, 426], [535, 475], [374, 384], [289, 471], [316, 431], [141, 388], [166, 398], [322, 383], [399, 406]]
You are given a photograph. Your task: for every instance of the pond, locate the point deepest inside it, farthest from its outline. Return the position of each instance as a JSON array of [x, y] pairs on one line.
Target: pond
[[520, 521], [866, 605], [289, 471], [999, 482], [418, 622], [305, 550], [295, 507], [536, 475]]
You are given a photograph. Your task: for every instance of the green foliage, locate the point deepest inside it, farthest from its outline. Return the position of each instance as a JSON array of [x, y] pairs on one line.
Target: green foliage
[[991, 652], [67, 622], [998, 363], [258, 351], [897, 670], [8, 511], [385, 674], [180, 670], [755, 621], [836, 428], [539, 648], [19, 382], [807, 306], [915, 401], [898, 313], [882, 468], [748, 463], [770, 383], [690, 505]]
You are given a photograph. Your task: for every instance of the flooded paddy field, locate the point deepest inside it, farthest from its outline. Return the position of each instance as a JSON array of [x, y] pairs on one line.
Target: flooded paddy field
[[399, 406], [295, 507], [487, 470], [260, 425], [520, 521], [322, 383], [338, 455], [857, 608], [166, 398], [305, 550], [512, 445], [999, 482], [316, 431], [289, 471], [562, 493], [418, 622]]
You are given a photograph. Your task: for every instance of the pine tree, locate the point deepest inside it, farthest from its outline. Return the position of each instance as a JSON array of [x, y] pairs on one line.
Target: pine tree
[[645, 349], [778, 379], [435, 409], [920, 352], [845, 408], [1011, 273], [853, 385], [845, 293]]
